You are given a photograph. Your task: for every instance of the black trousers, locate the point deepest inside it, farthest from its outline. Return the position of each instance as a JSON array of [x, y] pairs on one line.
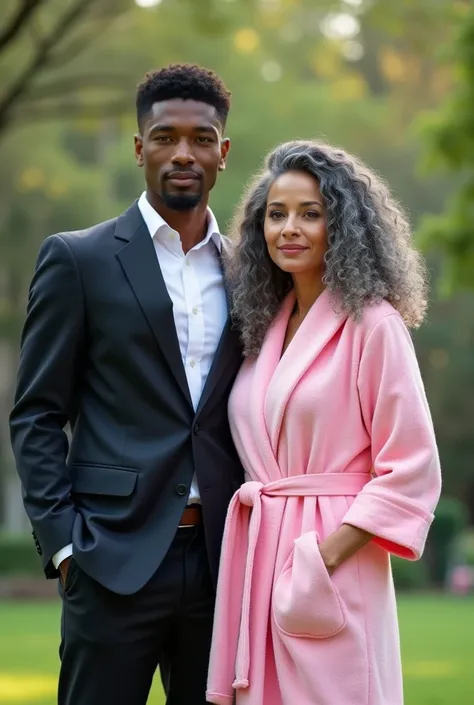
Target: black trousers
[[112, 644]]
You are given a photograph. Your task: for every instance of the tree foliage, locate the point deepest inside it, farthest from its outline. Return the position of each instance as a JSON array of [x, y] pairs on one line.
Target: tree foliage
[[42, 43], [449, 136]]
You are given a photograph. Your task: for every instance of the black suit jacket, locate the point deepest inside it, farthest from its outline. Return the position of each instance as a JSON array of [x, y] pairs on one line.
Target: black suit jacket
[[100, 351]]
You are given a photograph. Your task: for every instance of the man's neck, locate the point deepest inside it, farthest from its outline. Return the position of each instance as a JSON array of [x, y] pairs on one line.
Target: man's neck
[[191, 225]]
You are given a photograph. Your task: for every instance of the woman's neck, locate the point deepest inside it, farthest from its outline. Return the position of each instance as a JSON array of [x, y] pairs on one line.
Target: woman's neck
[[307, 288]]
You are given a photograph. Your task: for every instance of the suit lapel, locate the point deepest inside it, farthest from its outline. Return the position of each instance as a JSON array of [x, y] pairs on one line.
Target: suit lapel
[[226, 362], [139, 262]]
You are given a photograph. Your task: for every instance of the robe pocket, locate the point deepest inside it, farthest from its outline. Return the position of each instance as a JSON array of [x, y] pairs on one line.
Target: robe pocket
[[306, 603]]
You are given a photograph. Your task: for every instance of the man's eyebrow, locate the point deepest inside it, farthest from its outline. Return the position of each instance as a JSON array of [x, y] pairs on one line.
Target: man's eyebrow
[[206, 128], [162, 128]]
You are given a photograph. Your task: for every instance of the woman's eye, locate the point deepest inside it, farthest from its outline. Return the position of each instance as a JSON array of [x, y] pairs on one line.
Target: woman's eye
[[276, 215], [312, 215]]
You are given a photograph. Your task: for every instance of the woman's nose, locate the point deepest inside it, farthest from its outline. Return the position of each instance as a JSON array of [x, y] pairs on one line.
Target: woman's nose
[[290, 228]]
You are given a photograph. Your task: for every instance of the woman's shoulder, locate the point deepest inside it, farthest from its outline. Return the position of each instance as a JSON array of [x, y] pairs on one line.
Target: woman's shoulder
[[380, 316]]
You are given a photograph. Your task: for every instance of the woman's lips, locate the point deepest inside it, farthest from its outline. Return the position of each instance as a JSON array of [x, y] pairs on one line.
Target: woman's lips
[[292, 250]]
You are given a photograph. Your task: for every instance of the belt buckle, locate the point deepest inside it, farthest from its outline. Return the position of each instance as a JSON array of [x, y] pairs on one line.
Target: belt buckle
[[189, 526]]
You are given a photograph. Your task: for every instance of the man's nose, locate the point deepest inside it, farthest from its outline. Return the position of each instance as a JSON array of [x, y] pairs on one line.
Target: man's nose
[[183, 154]]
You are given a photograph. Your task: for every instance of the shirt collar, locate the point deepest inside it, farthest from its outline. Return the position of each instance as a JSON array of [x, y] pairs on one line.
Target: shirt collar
[[156, 224]]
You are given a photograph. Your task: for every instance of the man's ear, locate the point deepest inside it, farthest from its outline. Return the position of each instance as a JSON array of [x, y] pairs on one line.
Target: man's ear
[[138, 139], [225, 146]]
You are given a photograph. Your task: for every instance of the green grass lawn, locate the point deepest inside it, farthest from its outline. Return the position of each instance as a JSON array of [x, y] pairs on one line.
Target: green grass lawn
[[437, 645]]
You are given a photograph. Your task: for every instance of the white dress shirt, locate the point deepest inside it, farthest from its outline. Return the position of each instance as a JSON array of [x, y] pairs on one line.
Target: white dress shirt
[[196, 288]]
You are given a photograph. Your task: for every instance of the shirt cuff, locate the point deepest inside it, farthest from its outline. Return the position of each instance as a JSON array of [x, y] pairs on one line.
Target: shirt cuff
[[61, 555]]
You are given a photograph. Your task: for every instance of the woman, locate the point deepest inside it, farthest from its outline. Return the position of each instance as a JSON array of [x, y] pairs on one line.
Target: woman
[[330, 419]]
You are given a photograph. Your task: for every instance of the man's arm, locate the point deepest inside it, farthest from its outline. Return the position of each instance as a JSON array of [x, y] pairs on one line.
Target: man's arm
[[51, 349], [61, 555]]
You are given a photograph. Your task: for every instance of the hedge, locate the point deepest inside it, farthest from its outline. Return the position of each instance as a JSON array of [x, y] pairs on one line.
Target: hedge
[[18, 556], [409, 575]]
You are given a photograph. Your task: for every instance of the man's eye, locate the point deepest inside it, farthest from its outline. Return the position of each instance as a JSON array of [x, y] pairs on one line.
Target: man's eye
[[163, 139], [205, 140]]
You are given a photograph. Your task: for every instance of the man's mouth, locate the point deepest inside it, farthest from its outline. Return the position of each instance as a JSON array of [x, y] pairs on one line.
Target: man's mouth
[[182, 178]]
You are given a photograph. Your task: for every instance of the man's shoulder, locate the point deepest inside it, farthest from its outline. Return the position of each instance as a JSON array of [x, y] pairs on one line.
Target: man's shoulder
[[86, 236], [95, 237]]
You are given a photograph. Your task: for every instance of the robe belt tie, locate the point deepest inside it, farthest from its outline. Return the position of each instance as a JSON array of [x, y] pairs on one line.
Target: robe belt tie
[[317, 484]]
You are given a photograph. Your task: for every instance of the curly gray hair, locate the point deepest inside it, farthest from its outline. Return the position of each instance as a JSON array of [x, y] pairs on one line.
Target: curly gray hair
[[369, 255]]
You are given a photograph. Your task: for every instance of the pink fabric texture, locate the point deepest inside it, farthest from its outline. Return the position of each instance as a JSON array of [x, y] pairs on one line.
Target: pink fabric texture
[[336, 430]]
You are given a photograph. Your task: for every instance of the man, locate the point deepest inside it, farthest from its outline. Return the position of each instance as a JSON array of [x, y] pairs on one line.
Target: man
[[128, 338]]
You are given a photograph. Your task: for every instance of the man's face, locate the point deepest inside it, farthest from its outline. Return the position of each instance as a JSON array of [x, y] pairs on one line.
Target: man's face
[[181, 150]]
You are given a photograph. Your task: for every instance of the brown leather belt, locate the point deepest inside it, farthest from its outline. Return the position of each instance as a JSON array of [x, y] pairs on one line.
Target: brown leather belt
[[192, 516]]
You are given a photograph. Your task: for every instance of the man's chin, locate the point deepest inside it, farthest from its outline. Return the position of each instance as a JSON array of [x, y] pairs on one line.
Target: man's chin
[[181, 201]]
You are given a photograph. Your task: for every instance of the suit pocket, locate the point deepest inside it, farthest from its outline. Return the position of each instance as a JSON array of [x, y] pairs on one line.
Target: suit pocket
[[103, 480], [306, 603]]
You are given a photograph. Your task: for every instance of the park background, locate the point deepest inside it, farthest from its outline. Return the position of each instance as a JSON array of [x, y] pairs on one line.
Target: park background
[[390, 80]]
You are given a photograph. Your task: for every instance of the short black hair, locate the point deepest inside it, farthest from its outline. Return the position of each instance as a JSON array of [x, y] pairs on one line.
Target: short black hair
[[185, 81]]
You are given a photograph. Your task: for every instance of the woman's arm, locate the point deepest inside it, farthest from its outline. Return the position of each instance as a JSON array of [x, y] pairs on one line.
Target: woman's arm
[[397, 505], [342, 544], [395, 509]]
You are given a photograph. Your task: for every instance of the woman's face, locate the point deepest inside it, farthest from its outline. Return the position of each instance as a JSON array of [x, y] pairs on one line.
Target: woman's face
[[295, 224]]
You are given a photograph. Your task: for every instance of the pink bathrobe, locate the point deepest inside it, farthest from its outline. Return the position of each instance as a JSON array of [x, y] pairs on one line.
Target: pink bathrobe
[[337, 430]]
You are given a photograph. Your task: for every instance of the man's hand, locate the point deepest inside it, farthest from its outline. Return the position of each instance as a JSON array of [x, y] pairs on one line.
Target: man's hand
[[63, 569]]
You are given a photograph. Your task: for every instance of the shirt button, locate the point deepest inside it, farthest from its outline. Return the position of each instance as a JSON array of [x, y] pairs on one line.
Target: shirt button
[[188, 263], [193, 363], [181, 490], [195, 310]]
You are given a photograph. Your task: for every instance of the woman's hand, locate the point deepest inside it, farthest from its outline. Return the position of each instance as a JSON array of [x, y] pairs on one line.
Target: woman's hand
[[341, 545]]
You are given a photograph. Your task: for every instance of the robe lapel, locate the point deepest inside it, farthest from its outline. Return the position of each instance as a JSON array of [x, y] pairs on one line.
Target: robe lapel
[[265, 368], [313, 335], [139, 262]]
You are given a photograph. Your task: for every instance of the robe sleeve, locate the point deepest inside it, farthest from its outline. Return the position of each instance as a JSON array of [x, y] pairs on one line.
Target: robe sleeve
[[397, 505]]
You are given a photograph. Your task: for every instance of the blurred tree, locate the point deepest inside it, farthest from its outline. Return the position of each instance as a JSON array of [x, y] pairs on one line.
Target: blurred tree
[[444, 347], [449, 136], [451, 519], [20, 17], [41, 42]]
